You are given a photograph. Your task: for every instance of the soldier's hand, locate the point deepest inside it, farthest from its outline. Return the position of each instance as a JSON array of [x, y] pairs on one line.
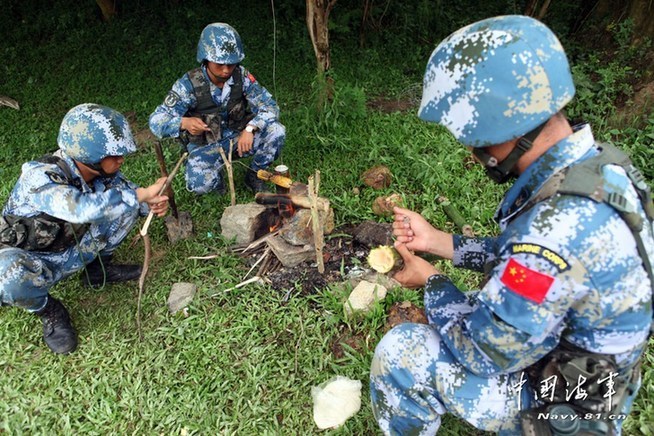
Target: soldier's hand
[[159, 205], [412, 229], [194, 126], [245, 141], [416, 270], [152, 191]]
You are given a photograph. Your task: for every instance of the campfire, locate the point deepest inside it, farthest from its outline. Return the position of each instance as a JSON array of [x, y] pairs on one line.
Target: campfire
[[280, 228]]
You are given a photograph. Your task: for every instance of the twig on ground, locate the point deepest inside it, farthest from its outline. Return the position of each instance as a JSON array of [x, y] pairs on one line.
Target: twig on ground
[[257, 242], [265, 253], [240, 285]]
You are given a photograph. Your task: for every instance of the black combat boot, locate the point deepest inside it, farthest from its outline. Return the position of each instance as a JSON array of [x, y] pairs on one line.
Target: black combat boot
[[101, 271], [58, 332], [254, 183]]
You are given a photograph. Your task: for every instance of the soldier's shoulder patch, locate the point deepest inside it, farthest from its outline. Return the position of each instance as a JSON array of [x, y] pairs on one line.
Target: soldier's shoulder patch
[[530, 284], [57, 178], [171, 99], [543, 252], [250, 76]]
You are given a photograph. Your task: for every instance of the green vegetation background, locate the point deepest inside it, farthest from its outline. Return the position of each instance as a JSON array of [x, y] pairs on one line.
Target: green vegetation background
[[244, 361]]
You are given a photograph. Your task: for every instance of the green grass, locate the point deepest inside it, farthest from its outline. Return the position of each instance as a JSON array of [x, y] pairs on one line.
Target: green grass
[[242, 362]]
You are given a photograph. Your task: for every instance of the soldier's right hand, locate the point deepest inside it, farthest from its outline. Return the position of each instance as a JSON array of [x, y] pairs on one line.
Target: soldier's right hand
[[411, 229], [194, 126], [416, 270], [152, 191]]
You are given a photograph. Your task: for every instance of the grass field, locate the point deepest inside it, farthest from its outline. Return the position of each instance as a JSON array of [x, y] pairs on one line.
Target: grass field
[[244, 361]]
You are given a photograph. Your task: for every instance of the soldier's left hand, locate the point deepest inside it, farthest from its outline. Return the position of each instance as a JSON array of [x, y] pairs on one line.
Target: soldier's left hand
[[159, 205], [245, 141], [416, 270]]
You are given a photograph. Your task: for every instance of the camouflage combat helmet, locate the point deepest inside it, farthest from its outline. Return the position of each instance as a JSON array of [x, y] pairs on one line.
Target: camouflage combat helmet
[[220, 43], [90, 132], [496, 80]]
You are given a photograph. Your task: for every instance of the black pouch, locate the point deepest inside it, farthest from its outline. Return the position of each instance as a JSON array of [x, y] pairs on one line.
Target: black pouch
[[39, 233]]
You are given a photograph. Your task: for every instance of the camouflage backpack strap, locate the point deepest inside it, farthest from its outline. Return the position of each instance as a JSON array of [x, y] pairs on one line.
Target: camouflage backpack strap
[[205, 109], [586, 180], [204, 102], [238, 111]]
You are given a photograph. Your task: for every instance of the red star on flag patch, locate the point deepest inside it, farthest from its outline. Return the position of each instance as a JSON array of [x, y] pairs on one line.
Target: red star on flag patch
[[526, 282]]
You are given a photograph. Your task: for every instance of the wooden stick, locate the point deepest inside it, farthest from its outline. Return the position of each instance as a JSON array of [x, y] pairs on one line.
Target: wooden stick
[[302, 201], [240, 285], [265, 253], [164, 173], [261, 240], [148, 220], [230, 170], [318, 237]]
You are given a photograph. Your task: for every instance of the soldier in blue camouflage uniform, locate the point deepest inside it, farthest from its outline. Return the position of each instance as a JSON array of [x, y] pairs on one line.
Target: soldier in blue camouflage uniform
[[216, 104], [68, 211], [569, 276]]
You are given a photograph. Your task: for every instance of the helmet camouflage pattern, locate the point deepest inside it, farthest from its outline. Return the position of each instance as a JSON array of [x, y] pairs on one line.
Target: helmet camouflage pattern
[[90, 132], [220, 43], [496, 80]]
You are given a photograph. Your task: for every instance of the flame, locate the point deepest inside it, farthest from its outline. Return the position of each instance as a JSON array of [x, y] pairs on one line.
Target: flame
[[277, 225], [286, 210]]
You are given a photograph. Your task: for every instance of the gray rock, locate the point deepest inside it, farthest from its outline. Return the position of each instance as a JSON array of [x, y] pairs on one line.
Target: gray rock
[[180, 296]]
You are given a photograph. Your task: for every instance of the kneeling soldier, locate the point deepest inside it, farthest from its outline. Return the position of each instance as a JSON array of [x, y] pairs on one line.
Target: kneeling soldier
[[68, 211]]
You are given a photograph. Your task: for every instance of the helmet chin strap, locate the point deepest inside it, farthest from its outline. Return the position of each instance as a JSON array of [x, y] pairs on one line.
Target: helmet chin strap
[[501, 172], [97, 167]]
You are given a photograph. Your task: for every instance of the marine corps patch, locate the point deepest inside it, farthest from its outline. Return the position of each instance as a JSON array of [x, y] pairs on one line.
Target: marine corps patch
[[171, 99], [57, 178], [545, 253]]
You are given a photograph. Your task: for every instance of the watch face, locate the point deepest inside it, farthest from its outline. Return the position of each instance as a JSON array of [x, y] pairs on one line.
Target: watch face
[[249, 129]]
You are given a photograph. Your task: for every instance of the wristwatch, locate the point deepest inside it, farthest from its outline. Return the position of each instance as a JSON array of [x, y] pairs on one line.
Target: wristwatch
[[250, 128]]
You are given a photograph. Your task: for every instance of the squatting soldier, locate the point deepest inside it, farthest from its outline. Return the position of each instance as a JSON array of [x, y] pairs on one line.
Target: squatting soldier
[[215, 104], [558, 329], [69, 211]]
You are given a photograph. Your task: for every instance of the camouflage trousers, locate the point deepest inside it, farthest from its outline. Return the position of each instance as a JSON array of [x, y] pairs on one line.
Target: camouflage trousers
[[203, 169], [26, 276], [414, 379]]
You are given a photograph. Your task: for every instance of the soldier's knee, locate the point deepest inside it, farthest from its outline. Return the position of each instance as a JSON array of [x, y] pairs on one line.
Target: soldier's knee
[[275, 132], [419, 340]]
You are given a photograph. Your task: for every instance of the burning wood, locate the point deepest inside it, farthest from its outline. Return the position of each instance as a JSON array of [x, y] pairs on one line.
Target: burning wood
[[290, 199]]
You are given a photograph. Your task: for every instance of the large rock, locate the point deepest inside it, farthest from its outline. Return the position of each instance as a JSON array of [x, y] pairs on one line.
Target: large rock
[[299, 230], [290, 255], [244, 222]]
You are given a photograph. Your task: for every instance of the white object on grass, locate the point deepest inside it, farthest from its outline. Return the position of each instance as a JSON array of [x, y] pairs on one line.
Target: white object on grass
[[335, 401]]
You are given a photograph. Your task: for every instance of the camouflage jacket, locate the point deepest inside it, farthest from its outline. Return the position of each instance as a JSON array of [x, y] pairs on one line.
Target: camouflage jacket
[[567, 268], [166, 120], [45, 188]]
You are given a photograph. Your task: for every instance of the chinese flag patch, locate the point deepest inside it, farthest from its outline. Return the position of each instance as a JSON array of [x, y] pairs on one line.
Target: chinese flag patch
[[251, 77], [526, 282]]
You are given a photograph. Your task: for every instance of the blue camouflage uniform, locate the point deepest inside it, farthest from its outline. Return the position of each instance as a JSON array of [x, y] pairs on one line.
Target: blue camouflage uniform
[[469, 360], [563, 269], [108, 204], [203, 169]]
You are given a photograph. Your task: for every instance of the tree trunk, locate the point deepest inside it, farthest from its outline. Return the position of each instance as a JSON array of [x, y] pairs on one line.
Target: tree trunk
[[532, 6], [640, 11], [108, 8], [318, 25]]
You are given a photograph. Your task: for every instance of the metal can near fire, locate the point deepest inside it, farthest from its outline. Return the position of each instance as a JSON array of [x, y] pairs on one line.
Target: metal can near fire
[[282, 170]]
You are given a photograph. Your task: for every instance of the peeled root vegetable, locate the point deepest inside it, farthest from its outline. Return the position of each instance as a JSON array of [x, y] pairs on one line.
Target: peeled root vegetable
[[383, 258]]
